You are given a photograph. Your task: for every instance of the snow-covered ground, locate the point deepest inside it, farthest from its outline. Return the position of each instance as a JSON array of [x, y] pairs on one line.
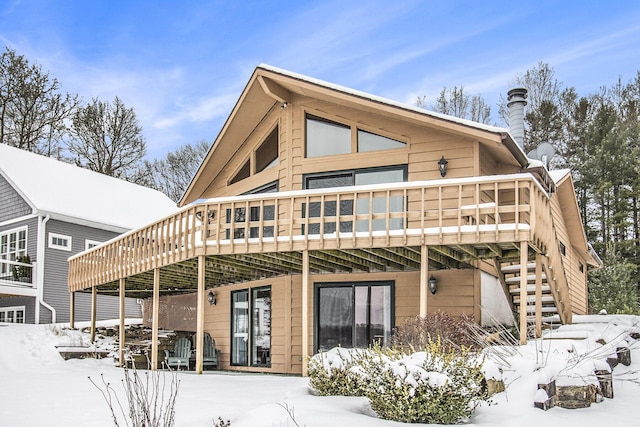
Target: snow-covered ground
[[39, 388]]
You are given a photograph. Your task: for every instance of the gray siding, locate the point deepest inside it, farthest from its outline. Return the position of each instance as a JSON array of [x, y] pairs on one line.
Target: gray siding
[[56, 291], [12, 205]]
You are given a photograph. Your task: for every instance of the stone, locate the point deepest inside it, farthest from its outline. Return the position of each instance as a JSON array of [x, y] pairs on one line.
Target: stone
[[549, 388], [494, 386], [612, 361], [624, 355], [605, 378], [543, 400], [576, 397]]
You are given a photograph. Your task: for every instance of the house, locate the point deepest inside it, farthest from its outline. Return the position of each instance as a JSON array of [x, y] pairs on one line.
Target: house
[[324, 216], [49, 211]]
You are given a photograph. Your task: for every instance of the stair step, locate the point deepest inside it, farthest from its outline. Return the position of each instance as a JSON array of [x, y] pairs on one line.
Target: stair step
[[545, 320], [545, 310], [532, 299], [530, 278], [516, 267], [531, 289]]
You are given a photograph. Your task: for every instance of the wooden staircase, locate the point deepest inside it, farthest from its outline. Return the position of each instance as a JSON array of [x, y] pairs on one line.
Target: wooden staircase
[[512, 283]]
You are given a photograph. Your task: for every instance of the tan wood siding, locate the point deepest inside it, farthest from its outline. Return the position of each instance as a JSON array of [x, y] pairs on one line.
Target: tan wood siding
[[571, 262]]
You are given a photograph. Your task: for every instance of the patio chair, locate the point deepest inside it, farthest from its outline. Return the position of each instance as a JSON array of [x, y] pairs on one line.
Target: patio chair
[[181, 354], [209, 352]]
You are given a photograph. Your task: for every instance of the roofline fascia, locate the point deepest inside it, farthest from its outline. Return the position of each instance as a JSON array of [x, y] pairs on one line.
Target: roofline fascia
[[84, 222]]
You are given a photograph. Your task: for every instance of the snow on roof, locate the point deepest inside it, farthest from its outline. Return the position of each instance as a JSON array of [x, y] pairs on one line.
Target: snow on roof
[[375, 98], [558, 174], [74, 194]]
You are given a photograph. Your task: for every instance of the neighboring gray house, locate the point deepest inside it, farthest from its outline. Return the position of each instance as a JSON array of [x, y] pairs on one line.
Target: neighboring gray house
[[49, 211]]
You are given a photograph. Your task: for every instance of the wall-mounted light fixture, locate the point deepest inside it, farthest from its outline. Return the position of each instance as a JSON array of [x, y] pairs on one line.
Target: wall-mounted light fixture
[[211, 297], [432, 285], [442, 165], [284, 105]]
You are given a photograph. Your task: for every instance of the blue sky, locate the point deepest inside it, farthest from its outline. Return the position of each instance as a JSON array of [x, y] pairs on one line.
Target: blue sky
[[182, 64]]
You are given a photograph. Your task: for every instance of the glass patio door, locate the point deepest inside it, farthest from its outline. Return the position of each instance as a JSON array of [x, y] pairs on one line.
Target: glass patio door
[[353, 314]]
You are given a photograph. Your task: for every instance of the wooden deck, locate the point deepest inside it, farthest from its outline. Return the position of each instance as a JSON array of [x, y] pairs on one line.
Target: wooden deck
[[365, 228]]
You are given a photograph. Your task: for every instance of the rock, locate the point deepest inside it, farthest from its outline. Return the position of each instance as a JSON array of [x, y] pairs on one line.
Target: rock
[[494, 387], [549, 388], [605, 378], [575, 397], [624, 355]]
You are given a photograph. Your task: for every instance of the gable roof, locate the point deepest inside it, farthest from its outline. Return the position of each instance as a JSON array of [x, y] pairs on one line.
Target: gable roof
[[270, 86], [73, 194]]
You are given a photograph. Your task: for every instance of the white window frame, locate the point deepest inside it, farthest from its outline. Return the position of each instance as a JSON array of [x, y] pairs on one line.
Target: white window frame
[[53, 245], [14, 310], [88, 244], [13, 255]]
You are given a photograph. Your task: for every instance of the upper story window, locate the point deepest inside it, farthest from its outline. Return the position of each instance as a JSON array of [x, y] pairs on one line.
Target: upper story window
[[13, 244], [59, 241], [267, 152], [368, 141], [327, 138], [264, 157], [88, 244]]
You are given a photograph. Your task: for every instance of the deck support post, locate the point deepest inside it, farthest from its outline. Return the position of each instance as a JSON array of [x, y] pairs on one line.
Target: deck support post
[[524, 259], [424, 279], [121, 328], [200, 316], [538, 295], [305, 312], [94, 292], [72, 310], [154, 319]]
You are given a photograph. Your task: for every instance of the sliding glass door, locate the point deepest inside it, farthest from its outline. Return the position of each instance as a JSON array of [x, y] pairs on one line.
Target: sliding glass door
[[251, 327], [356, 314]]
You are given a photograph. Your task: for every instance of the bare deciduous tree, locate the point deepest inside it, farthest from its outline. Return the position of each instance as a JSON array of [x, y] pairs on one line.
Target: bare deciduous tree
[[172, 174], [457, 103], [106, 138], [32, 111]]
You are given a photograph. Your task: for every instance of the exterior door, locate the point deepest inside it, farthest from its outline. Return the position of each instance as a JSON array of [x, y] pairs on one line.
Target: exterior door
[[356, 314]]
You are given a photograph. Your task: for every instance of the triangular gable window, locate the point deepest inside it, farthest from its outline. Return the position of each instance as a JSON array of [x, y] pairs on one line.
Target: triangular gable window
[[267, 153], [243, 173], [368, 141]]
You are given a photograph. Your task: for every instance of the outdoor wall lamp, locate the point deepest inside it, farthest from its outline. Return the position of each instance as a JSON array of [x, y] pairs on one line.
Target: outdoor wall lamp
[[211, 297], [432, 285], [442, 165]]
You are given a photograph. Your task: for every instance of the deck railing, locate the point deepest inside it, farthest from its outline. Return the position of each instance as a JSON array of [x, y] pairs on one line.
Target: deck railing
[[492, 209], [16, 273]]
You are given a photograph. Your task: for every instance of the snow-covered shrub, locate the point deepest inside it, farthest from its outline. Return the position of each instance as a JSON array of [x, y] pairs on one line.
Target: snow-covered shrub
[[416, 333], [345, 372], [439, 385]]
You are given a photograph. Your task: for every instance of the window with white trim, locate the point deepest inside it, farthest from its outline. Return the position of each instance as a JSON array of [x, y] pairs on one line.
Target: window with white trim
[[12, 314], [13, 244], [59, 241], [88, 244]]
